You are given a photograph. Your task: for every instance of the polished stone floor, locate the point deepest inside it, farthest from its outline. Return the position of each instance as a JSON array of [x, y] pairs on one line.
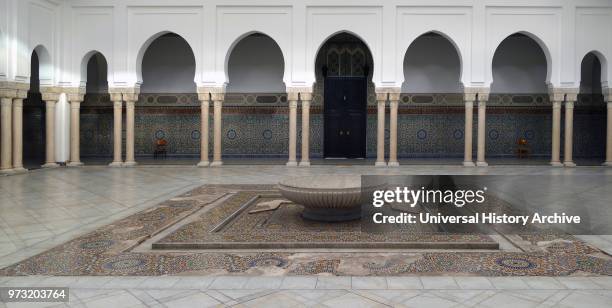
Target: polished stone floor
[[44, 208]]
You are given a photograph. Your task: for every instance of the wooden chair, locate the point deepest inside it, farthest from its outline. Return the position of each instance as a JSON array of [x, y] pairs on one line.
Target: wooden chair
[[161, 149], [523, 149]]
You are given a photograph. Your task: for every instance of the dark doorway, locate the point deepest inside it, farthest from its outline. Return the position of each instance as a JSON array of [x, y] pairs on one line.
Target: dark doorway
[[34, 120], [345, 117], [344, 69]]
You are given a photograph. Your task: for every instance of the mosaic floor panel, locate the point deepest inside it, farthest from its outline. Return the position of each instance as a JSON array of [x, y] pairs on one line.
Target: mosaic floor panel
[[232, 225], [110, 250]]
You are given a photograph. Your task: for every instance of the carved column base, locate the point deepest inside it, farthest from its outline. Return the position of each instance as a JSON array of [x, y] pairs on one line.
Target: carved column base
[[203, 164], [380, 164], [19, 170], [50, 165], [569, 164], [482, 164], [216, 164], [130, 164], [7, 171], [116, 164], [304, 164], [607, 164], [75, 164], [292, 164], [469, 164], [393, 164], [556, 164]]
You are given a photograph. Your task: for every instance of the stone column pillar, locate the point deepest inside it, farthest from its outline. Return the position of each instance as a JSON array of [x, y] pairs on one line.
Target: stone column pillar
[[305, 162], [6, 161], [393, 104], [468, 135], [218, 104], [381, 99], [293, 97], [306, 98], [608, 162], [75, 142], [117, 135], [18, 134], [482, 130], [129, 132], [556, 134], [204, 118], [607, 94], [569, 134], [50, 133]]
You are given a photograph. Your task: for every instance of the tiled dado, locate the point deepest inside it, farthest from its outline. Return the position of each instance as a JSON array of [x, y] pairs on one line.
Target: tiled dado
[[258, 127]]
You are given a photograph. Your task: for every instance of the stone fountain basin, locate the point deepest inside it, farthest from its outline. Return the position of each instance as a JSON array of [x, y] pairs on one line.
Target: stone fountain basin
[[325, 198]]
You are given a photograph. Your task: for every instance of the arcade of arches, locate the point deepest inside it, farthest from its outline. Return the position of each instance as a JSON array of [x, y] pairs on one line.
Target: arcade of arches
[[255, 117]]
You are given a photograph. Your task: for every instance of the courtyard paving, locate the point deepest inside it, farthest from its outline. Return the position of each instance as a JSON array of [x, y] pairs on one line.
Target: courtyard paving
[[45, 208]]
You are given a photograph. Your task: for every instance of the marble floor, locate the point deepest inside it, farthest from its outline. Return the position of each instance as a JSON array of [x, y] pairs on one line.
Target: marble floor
[[44, 208]]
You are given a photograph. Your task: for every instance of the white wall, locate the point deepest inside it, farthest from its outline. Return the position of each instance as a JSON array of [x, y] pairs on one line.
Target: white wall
[[432, 65], [121, 30], [256, 65], [519, 66], [168, 66]]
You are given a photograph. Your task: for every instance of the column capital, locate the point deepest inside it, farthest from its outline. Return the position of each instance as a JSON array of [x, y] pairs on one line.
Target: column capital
[[218, 104], [556, 104], [476, 93], [293, 96], [569, 104], [205, 103], [393, 103], [9, 89], [391, 93], [556, 94], [212, 93], [115, 94], [607, 94], [50, 93], [130, 103], [118, 104], [130, 94], [293, 104], [482, 104], [75, 94], [571, 94], [303, 93]]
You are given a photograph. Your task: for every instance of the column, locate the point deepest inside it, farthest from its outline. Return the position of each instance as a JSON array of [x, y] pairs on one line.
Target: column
[[469, 122], [217, 134], [609, 137], [117, 136], [129, 132], [6, 162], [380, 134], [556, 134], [50, 135], [18, 135], [75, 146], [305, 132], [393, 103], [204, 134], [292, 134], [482, 129], [569, 135]]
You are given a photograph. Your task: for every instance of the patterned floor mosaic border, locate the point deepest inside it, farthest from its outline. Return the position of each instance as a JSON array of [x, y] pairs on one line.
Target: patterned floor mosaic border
[[109, 251]]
